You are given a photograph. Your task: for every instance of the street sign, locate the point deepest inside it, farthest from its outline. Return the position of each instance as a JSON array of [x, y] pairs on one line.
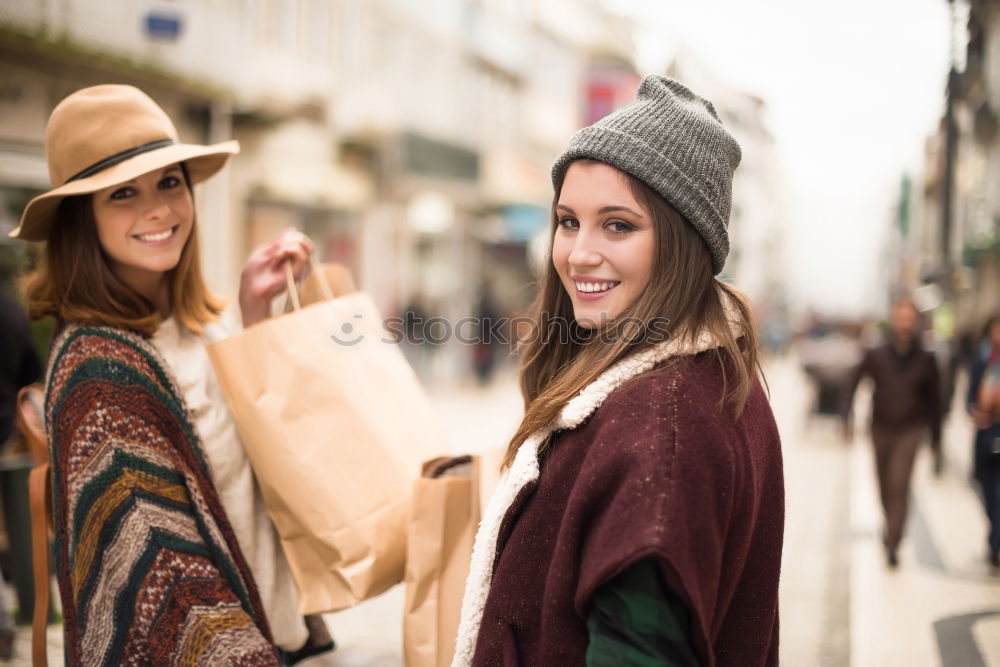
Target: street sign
[[163, 26]]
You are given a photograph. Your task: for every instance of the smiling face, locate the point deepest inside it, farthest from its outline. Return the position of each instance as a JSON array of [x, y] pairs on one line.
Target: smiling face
[[604, 245], [143, 225]]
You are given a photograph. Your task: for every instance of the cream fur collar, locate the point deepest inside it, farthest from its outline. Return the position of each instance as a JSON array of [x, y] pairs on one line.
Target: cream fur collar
[[524, 470]]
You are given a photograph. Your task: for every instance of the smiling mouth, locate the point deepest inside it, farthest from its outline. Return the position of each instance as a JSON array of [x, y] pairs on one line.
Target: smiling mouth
[[157, 237], [595, 288]]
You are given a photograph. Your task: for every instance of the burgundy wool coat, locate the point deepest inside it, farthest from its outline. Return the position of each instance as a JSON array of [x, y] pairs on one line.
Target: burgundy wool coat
[[649, 465]]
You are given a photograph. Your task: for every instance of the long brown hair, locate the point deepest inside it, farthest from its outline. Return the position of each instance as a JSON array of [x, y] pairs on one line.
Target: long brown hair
[[73, 281], [682, 292]]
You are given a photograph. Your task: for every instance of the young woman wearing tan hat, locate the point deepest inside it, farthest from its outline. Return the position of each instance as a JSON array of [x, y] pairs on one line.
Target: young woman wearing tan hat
[[165, 554], [640, 518]]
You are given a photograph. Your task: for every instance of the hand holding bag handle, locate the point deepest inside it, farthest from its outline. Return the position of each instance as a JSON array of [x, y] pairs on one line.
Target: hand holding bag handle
[[317, 269]]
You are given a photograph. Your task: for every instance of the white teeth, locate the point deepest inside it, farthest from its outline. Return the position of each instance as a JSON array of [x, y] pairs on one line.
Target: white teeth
[[594, 287], [153, 238]]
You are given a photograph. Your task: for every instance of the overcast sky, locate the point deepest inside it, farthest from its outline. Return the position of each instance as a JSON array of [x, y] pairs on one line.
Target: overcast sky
[[853, 89]]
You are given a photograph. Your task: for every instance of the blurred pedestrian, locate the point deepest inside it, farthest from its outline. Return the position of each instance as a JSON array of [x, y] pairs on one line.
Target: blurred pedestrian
[[983, 402], [19, 362], [19, 367], [640, 520], [906, 406], [484, 349], [412, 336], [164, 551]]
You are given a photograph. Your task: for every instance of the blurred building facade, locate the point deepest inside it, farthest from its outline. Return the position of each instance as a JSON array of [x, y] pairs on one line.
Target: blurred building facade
[[958, 249], [412, 142]]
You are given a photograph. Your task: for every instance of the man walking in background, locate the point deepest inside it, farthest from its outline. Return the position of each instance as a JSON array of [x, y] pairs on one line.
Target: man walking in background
[[905, 405]]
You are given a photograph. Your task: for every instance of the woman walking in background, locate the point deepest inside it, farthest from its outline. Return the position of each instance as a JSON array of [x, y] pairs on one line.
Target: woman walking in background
[[984, 406], [640, 518], [165, 554]]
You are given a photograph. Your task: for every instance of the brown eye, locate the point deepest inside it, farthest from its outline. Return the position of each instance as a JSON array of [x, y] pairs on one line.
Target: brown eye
[[169, 182], [569, 223], [122, 193], [620, 227]]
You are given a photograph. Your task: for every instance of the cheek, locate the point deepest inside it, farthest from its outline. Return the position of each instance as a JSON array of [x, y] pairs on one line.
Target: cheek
[[183, 205], [561, 249], [647, 270], [639, 258], [112, 226]]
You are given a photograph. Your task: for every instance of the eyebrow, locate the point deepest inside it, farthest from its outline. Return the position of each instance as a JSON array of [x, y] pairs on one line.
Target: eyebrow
[[604, 209]]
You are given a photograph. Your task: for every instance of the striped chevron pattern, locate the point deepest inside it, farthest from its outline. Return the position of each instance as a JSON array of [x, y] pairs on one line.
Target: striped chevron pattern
[[149, 569]]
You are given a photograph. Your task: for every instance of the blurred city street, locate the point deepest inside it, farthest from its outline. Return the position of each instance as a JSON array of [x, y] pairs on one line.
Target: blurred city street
[[412, 143], [841, 606]]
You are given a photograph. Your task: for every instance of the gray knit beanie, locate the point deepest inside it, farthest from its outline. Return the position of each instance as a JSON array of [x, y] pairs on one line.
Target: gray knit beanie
[[673, 141]]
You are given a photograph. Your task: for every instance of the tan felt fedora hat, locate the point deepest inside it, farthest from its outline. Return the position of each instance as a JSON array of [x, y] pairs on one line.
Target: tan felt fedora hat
[[104, 135]]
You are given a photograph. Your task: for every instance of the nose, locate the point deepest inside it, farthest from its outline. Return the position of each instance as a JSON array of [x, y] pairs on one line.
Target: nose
[[157, 207], [584, 252]]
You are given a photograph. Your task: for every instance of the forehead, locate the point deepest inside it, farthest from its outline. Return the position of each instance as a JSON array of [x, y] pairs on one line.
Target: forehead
[[592, 183]]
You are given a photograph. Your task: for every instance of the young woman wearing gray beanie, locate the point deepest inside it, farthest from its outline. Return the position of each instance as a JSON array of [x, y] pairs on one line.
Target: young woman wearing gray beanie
[[640, 517]]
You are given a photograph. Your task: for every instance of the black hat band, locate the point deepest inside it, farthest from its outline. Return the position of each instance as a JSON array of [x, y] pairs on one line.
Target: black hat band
[[118, 158]]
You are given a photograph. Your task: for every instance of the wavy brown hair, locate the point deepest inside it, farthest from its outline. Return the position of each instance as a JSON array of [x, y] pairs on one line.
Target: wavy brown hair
[[682, 291], [73, 281]]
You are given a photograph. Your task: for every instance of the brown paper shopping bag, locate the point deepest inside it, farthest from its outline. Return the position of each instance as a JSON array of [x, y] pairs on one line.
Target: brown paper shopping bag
[[443, 521], [336, 427]]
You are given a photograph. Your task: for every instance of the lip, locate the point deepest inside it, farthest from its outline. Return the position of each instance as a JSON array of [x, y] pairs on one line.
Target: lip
[[162, 242], [592, 296]]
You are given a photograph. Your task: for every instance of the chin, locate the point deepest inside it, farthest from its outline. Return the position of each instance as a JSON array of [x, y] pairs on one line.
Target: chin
[[163, 267], [590, 319]]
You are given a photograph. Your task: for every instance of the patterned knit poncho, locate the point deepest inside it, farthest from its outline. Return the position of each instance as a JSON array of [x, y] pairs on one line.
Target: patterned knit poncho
[[149, 570]]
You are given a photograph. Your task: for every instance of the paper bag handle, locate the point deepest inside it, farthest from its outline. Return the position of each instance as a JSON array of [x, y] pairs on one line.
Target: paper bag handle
[[293, 292]]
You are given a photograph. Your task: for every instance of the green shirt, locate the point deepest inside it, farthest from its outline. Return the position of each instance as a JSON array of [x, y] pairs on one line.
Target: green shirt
[[637, 620]]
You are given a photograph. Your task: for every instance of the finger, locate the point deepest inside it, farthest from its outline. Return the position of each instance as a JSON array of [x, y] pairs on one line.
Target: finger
[[299, 266], [290, 236], [297, 257], [298, 240], [265, 252], [298, 251], [305, 242]]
